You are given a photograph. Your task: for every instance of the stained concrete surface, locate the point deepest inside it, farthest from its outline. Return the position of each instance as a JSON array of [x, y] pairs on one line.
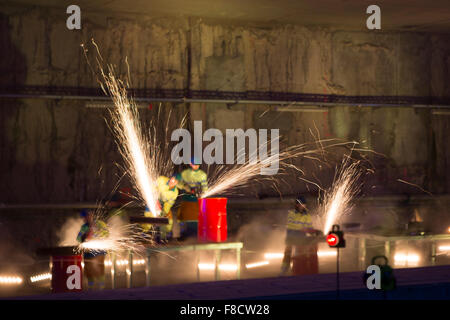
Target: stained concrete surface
[[60, 151]]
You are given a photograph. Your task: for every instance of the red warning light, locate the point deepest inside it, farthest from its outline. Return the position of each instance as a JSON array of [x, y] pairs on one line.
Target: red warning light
[[332, 240]]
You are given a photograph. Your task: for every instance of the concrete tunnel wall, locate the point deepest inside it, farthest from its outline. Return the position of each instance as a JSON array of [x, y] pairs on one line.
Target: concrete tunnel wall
[[60, 151]]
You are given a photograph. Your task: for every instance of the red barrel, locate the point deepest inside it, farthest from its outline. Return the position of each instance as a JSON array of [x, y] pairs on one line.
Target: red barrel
[[67, 273], [212, 220], [305, 260]]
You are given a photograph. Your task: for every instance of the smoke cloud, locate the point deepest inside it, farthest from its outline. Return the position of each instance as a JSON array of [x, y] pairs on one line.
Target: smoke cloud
[[68, 233]]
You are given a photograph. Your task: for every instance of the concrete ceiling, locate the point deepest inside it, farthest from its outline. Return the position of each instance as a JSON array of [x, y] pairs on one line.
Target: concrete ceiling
[[406, 15]]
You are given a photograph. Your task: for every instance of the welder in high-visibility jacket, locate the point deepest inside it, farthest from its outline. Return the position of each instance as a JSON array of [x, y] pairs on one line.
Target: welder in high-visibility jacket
[[299, 226], [167, 194], [195, 182], [94, 261]]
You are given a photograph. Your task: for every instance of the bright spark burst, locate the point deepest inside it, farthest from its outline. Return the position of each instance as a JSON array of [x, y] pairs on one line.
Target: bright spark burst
[[223, 179], [337, 200], [120, 237], [133, 145]]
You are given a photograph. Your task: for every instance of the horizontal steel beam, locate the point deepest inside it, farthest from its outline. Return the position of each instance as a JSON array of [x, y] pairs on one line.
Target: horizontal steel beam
[[227, 97], [234, 102]]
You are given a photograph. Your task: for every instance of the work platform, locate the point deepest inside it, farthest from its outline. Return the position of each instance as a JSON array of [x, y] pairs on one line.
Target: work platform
[[150, 251]]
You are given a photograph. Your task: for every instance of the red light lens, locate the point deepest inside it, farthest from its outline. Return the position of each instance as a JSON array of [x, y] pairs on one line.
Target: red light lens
[[332, 239]]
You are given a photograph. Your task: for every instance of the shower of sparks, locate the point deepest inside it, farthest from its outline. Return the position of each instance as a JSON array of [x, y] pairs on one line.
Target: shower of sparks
[[161, 127], [337, 200], [223, 179], [143, 161], [121, 237], [133, 145]]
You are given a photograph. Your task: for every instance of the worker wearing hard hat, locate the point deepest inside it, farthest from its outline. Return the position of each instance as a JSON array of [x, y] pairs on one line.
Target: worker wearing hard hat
[[94, 261], [195, 180], [167, 194], [299, 226], [195, 183]]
